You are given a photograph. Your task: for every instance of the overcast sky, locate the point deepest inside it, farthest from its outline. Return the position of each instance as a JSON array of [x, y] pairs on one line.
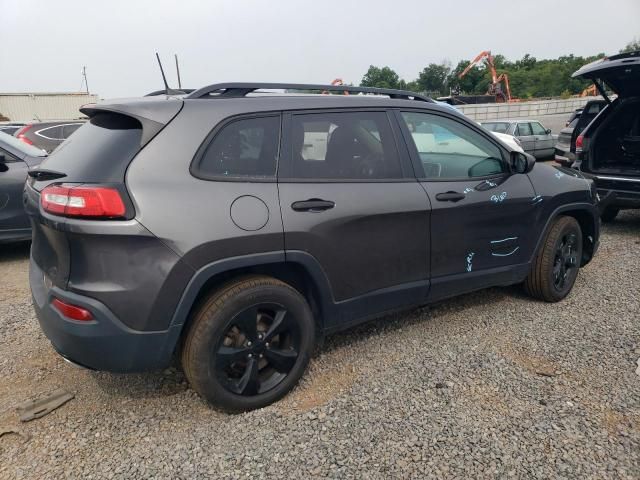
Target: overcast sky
[[44, 44]]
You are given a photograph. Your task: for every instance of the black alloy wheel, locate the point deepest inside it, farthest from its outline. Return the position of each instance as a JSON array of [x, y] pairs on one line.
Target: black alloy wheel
[[258, 350]]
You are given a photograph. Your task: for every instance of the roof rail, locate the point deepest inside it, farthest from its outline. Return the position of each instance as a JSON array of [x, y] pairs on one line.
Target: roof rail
[[237, 90]]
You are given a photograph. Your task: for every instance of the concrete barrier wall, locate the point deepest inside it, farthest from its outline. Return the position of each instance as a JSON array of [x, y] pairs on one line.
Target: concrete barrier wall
[[534, 109], [26, 107]]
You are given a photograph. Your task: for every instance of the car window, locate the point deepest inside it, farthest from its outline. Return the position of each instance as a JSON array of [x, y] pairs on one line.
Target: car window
[[538, 129], [51, 133], [343, 146], [594, 108], [523, 130], [69, 129], [498, 127], [246, 147], [574, 122], [450, 149]]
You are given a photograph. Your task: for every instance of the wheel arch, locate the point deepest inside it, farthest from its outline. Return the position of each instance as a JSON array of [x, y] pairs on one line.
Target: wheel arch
[[300, 270], [587, 217]]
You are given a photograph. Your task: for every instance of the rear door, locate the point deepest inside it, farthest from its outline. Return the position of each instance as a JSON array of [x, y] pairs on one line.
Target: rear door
[[349, 199], [13, 173], [543, 140], [481, 213], [525, 135]]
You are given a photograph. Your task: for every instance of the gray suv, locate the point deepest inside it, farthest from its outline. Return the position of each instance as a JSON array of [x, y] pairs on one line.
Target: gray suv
[[235, 226]]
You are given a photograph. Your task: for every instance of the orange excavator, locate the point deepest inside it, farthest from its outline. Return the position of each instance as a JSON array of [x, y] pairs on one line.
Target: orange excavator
[[495, 88]]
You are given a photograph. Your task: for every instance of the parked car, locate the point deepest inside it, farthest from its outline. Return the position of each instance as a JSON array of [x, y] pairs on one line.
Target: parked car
[[10, 128], [535, 139], [565, 149], [47, 135], [248, 225], [512, 142], [609, 147], [16, 159]]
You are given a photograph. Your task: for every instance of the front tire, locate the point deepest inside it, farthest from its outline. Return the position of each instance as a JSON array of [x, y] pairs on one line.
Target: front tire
[[556, 265], [249, 344]]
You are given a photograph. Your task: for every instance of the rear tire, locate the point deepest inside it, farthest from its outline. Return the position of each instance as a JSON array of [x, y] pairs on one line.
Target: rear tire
[[556, 265], [609, 214], [249, 343]]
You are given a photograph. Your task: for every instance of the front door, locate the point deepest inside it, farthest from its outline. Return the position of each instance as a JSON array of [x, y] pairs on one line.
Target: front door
[[544, 140], [525, 135], [13, 173], [481, 212], [349, 199]]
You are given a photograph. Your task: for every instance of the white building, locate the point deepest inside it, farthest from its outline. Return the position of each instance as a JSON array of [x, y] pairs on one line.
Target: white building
[[26, 107]]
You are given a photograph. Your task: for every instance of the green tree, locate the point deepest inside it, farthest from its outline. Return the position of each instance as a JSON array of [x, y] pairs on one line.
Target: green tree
[[434, 78], [632, 46], [383, 77]]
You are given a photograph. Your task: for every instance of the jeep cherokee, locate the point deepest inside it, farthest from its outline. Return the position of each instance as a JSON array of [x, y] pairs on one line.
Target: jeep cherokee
[[233, 227]]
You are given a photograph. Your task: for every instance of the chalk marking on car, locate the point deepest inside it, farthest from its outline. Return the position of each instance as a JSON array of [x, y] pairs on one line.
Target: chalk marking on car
[[499, 198], [469, 259], [505, 254], [504, 240]]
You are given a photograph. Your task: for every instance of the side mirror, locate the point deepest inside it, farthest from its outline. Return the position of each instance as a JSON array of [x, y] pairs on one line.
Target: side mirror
[[3, 159], [522, 162], [548, 131], [3, 164]]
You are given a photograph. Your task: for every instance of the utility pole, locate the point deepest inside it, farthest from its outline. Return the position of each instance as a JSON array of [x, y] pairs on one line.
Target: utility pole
[[84, 76]]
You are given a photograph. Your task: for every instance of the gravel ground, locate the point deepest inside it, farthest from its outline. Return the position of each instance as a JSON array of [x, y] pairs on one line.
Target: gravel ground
[[489, 385]]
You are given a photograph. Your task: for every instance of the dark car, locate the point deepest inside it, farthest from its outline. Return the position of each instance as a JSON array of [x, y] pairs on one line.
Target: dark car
[[565, 149], [10, 128], [234, 228], [534, 138], [47, 135], [16, 159], [609, 147]]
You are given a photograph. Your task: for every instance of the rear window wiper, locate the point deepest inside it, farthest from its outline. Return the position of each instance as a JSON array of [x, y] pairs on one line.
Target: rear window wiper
[[43, 175]]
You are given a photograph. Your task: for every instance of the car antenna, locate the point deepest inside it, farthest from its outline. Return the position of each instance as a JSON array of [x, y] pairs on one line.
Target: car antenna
[[178, 72], [167, 90]]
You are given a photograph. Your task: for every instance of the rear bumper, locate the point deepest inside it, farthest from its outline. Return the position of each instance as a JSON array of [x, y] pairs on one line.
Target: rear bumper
[[104, 343], [623, 192]]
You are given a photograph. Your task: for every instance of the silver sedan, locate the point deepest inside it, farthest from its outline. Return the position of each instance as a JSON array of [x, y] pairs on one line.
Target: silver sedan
[[533, 136]]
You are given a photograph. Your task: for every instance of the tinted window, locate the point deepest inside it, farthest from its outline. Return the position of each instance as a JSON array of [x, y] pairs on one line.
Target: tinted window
[[99, 151], [449, 149], [499, 127], [538, 129], [350, 145], [523, 130], [69, 129], [51, 133], [243, 148]]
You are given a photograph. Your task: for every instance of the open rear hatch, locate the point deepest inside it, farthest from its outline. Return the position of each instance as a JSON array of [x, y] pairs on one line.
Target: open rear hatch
[[92, 163], [615, 144]]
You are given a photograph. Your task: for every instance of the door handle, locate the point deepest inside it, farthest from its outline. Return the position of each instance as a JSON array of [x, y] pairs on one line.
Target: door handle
[[312, 205], [450, 196]]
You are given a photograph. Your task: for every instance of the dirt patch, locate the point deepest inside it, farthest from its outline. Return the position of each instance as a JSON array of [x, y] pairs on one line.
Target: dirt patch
[[319, 387]]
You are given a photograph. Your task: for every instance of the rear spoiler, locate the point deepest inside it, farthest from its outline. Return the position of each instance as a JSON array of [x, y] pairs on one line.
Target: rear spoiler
[[153, 114]]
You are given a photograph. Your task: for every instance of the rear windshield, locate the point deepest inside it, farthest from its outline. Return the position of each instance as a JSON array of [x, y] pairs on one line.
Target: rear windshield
[[99, 151]]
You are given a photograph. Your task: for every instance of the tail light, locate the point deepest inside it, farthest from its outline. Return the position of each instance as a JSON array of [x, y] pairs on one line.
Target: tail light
[[83, 201], [579, 142], [72, 311], [20, 134]]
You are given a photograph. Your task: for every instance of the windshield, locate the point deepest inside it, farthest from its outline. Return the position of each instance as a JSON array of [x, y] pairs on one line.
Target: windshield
[[500, 127], [21, 146]]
